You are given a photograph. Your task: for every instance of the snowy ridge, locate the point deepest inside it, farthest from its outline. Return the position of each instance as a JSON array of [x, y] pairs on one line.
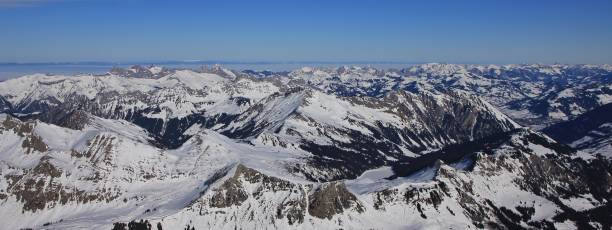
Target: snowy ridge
[[440, 195], [532, 94], [107, 173], [378, 130], [205, 167], [433, 145]]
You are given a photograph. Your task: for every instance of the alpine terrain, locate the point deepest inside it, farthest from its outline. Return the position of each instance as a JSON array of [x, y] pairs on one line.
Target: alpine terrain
[[440, 146]]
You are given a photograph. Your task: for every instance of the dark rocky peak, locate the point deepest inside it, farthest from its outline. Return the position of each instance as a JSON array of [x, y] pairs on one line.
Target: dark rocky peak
[[8, 122], [77, 120], [31, 142], [332, 198], [323, 201]]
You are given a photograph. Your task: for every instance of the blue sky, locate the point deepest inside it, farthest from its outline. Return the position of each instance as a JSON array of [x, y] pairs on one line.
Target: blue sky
[[487, 31]]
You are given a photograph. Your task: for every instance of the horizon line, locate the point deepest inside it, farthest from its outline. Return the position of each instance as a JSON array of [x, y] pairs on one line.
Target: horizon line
[[230, 62]]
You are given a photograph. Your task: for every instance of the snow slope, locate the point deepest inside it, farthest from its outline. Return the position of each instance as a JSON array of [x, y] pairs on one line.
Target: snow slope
[[317, 148]]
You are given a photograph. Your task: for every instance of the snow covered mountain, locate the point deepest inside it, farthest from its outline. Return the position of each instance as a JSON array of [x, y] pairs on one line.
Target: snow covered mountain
[[165, 106], [529, 192], [106, 173], [314, 148], [362, 132], [533, 95], [351, 135]]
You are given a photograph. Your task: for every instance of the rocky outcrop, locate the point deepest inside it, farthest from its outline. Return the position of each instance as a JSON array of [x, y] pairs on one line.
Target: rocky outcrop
[[41, 188], [332, 198], [77, 120], [21, 128], [231, 192], [31, 142], [293, 203], [247, 183]]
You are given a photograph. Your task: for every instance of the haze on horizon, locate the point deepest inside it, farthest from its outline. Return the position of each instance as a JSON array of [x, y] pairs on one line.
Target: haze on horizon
[[521, 31]]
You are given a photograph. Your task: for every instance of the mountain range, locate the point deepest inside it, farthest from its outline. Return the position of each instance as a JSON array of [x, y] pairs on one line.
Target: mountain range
[[428, 146]]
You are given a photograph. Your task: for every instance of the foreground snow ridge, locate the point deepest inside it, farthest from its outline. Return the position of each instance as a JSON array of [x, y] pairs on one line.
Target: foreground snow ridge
[[428, 147]]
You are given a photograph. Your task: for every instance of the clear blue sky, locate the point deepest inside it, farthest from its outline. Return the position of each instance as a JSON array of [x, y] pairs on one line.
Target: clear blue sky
[[458, 31]]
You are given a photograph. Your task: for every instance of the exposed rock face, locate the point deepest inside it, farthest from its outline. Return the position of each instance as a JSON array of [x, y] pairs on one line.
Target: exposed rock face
[[99, 149], [13, 124], [331, 199], [418, 198], [231, 191], [251, 184], [31, 142], [75, 120], [42, 188], [34, 143], [282, 199], [37, 194], [46, 168]]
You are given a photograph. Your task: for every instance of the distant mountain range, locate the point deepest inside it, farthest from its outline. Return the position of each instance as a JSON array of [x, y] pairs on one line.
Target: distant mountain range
[[428, 146]]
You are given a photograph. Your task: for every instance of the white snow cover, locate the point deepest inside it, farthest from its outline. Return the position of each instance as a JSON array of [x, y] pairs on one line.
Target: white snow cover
[[115, 159], [178, 94], [167, 182], [147, 177]]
